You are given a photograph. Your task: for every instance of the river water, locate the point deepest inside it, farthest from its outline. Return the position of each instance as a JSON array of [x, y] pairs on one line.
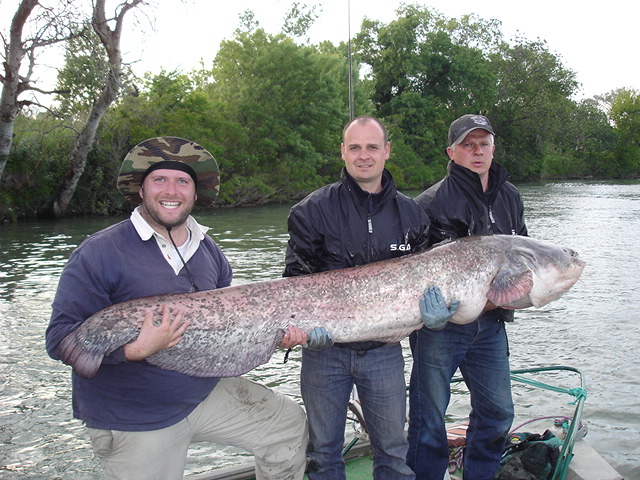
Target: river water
[[594, 327]]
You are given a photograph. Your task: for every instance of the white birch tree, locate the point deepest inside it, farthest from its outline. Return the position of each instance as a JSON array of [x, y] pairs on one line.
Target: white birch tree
[[34, 27], [109, 30]]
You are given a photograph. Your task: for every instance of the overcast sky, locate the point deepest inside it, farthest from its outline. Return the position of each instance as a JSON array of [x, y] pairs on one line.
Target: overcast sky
[[597, 41]]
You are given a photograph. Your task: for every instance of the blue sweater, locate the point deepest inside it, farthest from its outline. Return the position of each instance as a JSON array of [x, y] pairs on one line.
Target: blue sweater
[[112, 266]]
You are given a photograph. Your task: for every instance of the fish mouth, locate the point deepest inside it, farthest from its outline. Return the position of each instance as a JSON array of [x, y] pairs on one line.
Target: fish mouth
[[572, 273], [559, 282]]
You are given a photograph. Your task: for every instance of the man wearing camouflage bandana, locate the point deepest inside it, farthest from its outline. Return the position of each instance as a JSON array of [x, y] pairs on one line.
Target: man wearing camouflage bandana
[[141, 419]]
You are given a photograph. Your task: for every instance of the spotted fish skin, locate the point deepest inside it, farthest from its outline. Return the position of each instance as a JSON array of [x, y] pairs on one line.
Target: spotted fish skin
[[235, 329]]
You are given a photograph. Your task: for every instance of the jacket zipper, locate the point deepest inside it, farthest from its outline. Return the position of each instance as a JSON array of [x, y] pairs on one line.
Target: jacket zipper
[[369, 228], [492, 220]]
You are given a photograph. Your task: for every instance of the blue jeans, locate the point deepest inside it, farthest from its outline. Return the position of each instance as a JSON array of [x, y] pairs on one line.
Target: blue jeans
[[480, 350], [327, 380]]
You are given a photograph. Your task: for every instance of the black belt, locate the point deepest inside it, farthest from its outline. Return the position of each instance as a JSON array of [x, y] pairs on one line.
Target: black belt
[[360, 346]]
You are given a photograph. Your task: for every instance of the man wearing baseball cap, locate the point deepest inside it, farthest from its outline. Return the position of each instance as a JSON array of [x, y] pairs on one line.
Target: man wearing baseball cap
[[474, 198], [141, 418]]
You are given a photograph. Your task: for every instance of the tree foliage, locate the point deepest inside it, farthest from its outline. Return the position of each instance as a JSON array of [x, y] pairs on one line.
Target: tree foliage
[[109, 31], [271, 109], [625, 114], [533, 105], [426, 70], [287, 104], [83, 75]]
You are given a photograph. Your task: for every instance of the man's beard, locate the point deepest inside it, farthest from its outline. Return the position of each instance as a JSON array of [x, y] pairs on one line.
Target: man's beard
[[155, 216]]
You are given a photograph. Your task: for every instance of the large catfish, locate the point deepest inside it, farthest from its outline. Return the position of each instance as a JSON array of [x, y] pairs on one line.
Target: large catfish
[[233, 330]]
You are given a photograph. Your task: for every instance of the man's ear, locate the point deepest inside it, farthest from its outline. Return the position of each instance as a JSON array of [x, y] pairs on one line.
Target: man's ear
[[449, 151]]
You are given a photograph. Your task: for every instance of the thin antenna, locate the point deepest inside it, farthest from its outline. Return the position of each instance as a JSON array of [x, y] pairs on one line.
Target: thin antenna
[[351, 113]]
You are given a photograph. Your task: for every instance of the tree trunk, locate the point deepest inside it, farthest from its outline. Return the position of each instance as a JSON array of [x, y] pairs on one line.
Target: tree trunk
[[58, 204], [9, 105], [82, 145]]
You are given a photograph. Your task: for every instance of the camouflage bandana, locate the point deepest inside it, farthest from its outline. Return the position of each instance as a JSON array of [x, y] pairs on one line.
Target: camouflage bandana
[[172, 149]]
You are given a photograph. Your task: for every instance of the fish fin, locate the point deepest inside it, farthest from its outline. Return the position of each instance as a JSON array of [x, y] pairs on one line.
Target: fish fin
[[84, 359], [509, 289]]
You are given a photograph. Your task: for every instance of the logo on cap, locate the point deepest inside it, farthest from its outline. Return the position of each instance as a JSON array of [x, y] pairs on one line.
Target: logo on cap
[[461, 127]]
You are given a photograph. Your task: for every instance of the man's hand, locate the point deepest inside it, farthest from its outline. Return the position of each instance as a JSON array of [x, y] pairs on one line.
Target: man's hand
[[319, 339], [292, 337], [433, 309], [153, 338]]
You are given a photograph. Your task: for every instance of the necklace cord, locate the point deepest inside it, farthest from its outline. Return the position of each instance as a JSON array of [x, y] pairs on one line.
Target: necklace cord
[[193, 284]]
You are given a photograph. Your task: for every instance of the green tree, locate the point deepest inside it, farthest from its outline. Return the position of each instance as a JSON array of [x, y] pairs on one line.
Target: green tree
[[289, 103], [32, 28], [84, 73], [299, 20], [625, 114], [271, 110], [581, 146], [426, 70], [534, 91], [109, 31], [35, 163]]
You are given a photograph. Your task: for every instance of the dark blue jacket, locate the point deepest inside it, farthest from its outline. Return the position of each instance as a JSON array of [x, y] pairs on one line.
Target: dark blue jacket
[[112, 266]]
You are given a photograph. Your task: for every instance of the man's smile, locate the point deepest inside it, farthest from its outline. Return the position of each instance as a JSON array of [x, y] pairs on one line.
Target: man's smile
[[170, 204]]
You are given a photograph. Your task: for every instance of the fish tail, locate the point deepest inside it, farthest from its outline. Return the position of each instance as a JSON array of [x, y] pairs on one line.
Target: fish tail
[[84, 357]]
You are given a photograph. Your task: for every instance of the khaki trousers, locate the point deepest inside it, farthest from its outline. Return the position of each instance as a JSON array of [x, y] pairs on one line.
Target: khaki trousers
[[238, 412]]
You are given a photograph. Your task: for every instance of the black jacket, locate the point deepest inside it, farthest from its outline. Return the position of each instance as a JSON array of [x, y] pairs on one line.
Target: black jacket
[[341, 225], [458, 207]]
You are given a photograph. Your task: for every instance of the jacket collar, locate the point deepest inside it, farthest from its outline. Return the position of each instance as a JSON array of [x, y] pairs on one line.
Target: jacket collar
[[498, 175], [145, 231], [388, 187]]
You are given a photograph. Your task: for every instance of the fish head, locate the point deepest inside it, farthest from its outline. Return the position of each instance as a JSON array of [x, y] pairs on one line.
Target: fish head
[[534, 273], [558, 269]]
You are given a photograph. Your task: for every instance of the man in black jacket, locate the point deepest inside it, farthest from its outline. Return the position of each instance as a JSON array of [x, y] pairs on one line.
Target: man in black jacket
[[358, 220], [474, 198]]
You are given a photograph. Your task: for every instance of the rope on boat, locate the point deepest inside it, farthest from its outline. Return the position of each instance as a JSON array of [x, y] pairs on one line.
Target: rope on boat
[[578, 393], [564, 424]]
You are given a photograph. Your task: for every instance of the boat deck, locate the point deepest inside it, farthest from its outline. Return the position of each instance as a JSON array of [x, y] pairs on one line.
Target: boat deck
[[578, 460]]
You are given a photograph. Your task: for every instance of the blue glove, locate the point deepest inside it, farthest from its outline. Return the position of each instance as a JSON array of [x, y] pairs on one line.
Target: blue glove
[[433, 309], [319, 339]]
